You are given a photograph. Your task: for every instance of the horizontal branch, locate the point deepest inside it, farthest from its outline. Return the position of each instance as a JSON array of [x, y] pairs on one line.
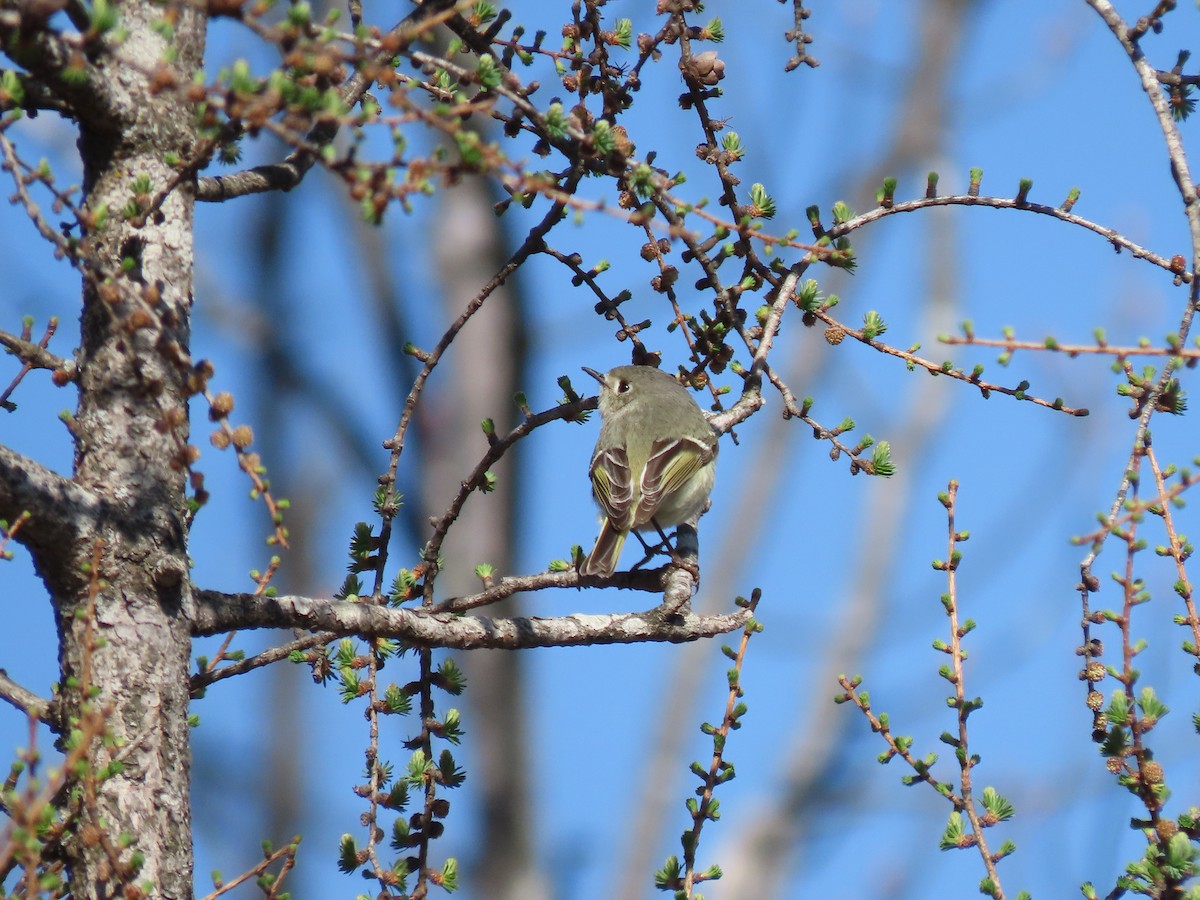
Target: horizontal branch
[[1010, 345], [217, 612], [59, 508], [34, 355], [24, 699], [650, 580]]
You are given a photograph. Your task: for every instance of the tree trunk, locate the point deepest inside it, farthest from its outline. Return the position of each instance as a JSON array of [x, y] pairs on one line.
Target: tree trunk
[[122, 594]]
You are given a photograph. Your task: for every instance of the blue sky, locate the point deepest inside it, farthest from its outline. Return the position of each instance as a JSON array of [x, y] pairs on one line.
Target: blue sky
[[1039, 91]]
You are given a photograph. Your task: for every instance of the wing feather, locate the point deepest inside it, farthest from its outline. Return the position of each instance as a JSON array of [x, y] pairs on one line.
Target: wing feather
[[672, 462], [612, 486]]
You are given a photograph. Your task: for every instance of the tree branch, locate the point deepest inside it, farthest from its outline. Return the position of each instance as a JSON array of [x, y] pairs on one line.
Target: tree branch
[[36, 96], [202, 680], [1118, 240], [651, 580], [36, 356], [284, 176], [48, 54], [24, 699], [58, 506], [217, 612]]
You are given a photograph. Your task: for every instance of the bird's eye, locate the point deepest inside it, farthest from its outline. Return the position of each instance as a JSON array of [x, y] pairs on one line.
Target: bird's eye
[[623, 387]]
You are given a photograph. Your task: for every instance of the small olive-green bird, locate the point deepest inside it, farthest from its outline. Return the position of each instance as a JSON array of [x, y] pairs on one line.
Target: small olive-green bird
[[654, 462]]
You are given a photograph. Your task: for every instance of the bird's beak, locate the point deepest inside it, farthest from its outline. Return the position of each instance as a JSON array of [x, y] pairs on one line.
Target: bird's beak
[[594, 374]]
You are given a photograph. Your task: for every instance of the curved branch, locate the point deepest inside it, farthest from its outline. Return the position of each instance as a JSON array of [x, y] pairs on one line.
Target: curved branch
[[1119, 241], [533, 241], [217, 611], [497, 447], [1187, 192]]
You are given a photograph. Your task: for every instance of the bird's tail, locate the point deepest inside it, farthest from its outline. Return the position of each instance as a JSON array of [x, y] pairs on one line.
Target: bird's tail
[[603, 558]]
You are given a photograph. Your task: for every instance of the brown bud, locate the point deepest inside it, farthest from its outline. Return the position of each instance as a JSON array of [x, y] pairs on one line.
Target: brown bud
[[242, 437], [666, 280], [835, 334], [222, 405], [1152, 772], [139, 319], [1166, 829], [162, 79], [1095, 700], [324, 63], [705, 68], [220, 439], [621, 138], [174, 416]]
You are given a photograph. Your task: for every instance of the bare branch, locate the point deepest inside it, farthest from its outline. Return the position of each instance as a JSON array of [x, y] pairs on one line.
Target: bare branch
[[201, 680], [217, 612], [1119, 241], [650, 580], [24, 699], [36, 356], [533, 241], [59, 507]]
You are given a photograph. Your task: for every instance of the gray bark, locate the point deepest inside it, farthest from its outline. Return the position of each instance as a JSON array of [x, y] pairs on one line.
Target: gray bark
[[116, 566]]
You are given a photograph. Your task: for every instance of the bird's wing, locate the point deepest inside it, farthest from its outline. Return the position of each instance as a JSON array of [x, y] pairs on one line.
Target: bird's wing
[[672, 462], [612, 486]]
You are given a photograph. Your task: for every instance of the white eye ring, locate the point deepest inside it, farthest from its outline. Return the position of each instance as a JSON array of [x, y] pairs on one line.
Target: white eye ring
[[623, 387]]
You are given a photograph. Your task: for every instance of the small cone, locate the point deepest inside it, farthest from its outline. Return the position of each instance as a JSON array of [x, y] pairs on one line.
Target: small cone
[[602, 560]]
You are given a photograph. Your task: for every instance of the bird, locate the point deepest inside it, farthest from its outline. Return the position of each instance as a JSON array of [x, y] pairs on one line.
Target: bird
[[654, 463]]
